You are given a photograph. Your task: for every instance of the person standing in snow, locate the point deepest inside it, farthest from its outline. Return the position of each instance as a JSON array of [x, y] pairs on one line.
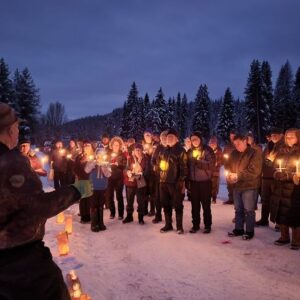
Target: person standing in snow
[[149, 148], [201, 164], [134, 178], [172, 163], [213, 144], [27, 270], [157, 201], [99, 170], [117, 160], [244, 174]]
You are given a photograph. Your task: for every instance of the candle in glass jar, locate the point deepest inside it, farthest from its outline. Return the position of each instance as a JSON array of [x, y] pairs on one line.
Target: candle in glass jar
[[69, 224], [60, 218], [280, 165], [63, 243]]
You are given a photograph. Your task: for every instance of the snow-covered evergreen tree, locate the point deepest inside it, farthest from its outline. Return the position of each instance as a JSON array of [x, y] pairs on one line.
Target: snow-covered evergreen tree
[[201, 115], [147, 108], [6, 86], [125, 121], [182, 115], [226, 118], [159, 112], [27, 97], [267, 94], [215, 108], [240, 115], [257, 112], [284, 106], [171, 113], [153, 119]]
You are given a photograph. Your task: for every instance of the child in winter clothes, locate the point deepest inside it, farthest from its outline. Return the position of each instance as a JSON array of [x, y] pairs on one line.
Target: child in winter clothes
[[99, 171]]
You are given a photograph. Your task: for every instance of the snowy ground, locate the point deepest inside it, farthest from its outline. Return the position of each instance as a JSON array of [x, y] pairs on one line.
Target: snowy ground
[[138, 262]]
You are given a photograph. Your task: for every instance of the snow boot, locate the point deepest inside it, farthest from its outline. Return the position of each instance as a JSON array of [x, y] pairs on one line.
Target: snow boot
[[285, 236], [141, 219], [94, 220], [248, 235], [295, 245], [128, 219], [101, 223], [168, 223], [179, 226], [236, 232]]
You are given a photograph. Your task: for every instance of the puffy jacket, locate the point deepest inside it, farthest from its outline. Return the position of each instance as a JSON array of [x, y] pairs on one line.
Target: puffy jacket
[[24, 206], [176, 160], [201, 168], [117, 170], [248, 166], [283, 183]]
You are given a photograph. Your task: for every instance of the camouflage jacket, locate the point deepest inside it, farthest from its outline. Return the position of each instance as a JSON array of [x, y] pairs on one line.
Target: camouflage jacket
[[24, 206]]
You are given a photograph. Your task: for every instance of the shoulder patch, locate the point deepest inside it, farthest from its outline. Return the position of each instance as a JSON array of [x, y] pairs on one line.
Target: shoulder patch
[[17, 180]]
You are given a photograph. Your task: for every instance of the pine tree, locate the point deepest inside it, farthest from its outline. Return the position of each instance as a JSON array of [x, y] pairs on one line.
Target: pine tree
[[27, 97], [147, 108], [226, 118], [201, 115], [171, 113], [182, 117], [215, 108], [178, 111], [256, 108], [125, 121], [153, 119], [284, 107], [267, 94], [296, 96], [159, 112], [6, 87]]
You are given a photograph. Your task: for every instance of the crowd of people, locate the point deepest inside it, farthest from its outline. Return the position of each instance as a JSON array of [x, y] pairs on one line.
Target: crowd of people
[[159, 171]]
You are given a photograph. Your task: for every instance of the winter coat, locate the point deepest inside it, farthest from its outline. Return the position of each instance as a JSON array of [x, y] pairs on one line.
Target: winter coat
[[268, 171], [219, 161], [79, 167], [248, 166], [176, 160], [201, 168], [293, 215], [117, 170], [24, 206], [132, 182], [283, 184], [228, 149], [60, 163], [99, 177]]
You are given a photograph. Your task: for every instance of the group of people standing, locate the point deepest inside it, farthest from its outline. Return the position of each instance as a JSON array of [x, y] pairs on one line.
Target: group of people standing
[[160, 173]]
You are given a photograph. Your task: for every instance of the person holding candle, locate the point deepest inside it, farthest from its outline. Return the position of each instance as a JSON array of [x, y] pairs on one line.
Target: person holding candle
[[81, 174], [284, 167], [134, 179], [27, 270], [149, 147], [72, 152], [172, 163], [201, 165], [229, 147], [58, 162], [267, 185], [157, 201], [36, 164], [244, 173], [115, 182], [213, 144], [99, 171]]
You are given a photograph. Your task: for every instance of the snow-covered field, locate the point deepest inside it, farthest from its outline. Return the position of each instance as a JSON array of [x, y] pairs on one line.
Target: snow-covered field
[[130, 261]]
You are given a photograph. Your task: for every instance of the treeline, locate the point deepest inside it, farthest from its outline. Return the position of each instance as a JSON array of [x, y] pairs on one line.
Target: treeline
[[262, 107]]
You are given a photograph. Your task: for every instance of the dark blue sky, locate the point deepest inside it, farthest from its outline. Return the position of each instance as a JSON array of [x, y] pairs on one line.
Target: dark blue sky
[[86, 54]]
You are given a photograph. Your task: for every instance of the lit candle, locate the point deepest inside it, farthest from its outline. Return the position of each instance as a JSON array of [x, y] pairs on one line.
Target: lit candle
[[91, 157], [63, 243], [280, 165], [196, 153], [69, 156], [226, 173], [113, 155], [163, 165], [226, 156], [43, 160], [37, 150], [297, 166], [62, 151], [60, 218], [69, 224]]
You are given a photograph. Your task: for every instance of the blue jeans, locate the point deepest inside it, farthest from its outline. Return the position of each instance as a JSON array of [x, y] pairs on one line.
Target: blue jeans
[[244, 205]]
